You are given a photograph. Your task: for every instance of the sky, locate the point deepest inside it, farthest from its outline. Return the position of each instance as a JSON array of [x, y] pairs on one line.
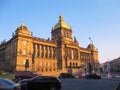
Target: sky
[[97, 19]]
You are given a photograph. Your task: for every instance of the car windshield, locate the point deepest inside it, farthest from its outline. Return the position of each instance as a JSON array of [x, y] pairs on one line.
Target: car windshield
[[8, 82], [37, 77]]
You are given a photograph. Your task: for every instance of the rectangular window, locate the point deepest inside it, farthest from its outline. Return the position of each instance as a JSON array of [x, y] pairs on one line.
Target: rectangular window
[[24, 52], [25, 43]]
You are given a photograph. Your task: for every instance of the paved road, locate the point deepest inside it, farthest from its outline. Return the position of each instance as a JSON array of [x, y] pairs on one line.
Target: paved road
[[85, 84]]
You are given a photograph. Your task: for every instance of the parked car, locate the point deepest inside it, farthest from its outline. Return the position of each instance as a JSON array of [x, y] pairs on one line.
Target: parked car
[[41, 83], [118, 87], [93, 76], [65, 75], [24, 75], [6, 84]]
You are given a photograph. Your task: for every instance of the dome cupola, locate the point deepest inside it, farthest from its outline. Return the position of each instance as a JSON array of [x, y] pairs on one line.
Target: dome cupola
[[22, 30], [22, 27], [61, 23], [92, 47]]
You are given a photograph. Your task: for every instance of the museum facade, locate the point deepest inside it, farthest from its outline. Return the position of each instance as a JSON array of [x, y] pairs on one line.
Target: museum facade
[[60, 53]]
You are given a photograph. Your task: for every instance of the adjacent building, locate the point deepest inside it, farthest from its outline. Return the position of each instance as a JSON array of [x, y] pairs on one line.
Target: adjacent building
[[60, 53], [115, 65]]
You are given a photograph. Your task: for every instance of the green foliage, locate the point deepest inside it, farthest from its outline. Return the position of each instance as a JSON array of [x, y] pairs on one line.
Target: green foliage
[[6, 75]]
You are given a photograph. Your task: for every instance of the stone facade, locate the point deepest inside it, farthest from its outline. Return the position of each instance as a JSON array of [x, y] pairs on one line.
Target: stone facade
[[61, 53]]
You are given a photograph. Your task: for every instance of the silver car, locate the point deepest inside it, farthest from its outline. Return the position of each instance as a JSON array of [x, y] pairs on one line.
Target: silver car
[[6, 84]]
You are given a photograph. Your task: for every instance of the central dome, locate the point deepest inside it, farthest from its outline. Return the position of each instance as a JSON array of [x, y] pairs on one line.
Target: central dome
[[61, 23]]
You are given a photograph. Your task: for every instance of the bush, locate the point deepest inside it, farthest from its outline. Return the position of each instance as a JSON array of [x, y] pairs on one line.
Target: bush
[[7, 75]]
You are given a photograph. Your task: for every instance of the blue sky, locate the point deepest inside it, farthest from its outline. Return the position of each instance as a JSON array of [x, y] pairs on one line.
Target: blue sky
[[98, 19]]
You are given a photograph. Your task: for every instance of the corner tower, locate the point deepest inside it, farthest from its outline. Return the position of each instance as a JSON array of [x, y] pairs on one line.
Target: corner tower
[[24, 44]]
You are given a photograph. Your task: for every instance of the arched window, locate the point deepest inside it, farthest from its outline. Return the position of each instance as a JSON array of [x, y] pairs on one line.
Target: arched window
[[54, 64], [70, 64], [73, 64], [76, 64], [42, 70]]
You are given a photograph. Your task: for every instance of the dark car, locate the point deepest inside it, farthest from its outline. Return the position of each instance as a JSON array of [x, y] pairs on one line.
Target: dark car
[[6, 84], [24, 75], [41, 83], [65, 75], [118, 87], [93, 76]]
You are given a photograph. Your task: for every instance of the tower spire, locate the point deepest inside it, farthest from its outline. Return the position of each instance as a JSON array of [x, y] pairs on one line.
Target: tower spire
[[22, 23]]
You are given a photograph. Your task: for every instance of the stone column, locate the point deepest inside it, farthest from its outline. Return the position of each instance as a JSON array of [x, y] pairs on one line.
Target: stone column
[[43, 51], [48, 51], [51, 52], [40, 50]]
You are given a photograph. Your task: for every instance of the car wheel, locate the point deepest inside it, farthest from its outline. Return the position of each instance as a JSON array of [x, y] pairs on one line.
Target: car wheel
[[52, 88], [19, 78]]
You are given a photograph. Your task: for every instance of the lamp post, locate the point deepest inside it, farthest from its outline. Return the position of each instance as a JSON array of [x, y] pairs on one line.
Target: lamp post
[[91, 56], [91, 40]]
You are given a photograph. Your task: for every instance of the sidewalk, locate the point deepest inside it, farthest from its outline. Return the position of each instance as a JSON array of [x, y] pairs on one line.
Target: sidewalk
[[112, 78]]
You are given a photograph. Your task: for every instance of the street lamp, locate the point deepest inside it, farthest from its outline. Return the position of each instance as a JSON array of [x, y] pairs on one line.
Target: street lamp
[[91, 40], [91, 56]]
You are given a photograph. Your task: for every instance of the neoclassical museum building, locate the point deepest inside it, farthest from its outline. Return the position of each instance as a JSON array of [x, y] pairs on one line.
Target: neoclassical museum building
[[60, 53]]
